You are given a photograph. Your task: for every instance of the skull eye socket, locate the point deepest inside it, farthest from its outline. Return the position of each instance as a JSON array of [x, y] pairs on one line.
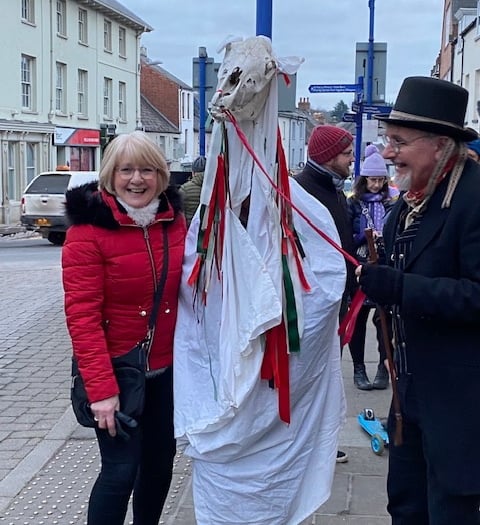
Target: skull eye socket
[[235, 76], [270, 65]]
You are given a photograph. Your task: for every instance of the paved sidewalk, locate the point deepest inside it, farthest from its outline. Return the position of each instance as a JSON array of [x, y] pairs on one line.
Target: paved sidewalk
[[10, 229], [48, 463]]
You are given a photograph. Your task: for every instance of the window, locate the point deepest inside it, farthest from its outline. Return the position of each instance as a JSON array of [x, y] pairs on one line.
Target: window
[[161, 143], [107, 97], [27, 79], [60, 88], [62, 17], [82, 92], [107, 35], [478, 18], [122, 100], [13, 183], [82, 26], [28, 11], [122, 42], [447, 26], [31, 160]]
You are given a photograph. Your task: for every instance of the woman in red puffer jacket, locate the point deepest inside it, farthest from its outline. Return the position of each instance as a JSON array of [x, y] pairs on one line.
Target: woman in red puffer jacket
[[112, 260]]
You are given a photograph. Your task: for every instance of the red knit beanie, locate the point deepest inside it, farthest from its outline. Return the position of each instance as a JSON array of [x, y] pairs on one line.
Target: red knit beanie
[[326, 142]]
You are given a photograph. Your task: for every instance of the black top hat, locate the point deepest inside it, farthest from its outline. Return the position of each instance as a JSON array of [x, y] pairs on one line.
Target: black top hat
[[432, 105]]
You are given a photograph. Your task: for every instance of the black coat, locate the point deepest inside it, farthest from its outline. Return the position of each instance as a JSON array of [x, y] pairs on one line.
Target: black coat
[[320, 186], [441, 312]]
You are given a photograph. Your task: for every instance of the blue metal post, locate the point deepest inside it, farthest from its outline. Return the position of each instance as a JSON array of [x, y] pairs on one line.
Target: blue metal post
[[358, 129], [371, 5], [202, 55], [264, 18]]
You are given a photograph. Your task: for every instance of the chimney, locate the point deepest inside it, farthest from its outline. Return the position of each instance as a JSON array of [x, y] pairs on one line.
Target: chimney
[[304, 104]]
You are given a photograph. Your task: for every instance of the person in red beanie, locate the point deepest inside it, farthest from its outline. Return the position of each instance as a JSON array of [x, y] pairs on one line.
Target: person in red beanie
[[330, 155]]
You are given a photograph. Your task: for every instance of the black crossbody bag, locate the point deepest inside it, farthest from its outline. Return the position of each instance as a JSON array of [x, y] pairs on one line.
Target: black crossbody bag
[[129, 370]]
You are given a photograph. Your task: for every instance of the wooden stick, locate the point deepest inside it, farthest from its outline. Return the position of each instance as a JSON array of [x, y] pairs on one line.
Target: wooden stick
[[373, 259]]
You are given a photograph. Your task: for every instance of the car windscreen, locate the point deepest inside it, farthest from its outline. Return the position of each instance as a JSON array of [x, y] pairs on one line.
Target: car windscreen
[[54, 184]]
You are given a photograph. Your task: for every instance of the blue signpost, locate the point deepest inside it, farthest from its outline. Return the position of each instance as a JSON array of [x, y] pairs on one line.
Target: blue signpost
[[202, 55], [348, 117], [264, 18]]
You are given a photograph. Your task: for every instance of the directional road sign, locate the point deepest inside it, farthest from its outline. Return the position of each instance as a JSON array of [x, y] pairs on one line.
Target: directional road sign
[[350, 117], [374, 109], [371, 109], [334, 88], [357, 107]]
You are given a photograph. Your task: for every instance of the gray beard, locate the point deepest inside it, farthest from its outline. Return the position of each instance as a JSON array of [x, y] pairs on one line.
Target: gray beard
[[404, 182]]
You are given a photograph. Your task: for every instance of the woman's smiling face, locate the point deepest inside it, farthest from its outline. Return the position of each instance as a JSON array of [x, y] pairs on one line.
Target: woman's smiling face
[[135, 185]]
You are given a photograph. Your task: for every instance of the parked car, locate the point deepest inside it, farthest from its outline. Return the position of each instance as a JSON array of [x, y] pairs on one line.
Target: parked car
[[42, 205]]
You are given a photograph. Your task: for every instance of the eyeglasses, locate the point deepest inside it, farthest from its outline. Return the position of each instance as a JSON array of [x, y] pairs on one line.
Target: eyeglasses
[[398, 144], [127, 172]]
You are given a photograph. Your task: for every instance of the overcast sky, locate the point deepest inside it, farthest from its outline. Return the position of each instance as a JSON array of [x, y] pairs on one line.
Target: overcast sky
[[323, 32]]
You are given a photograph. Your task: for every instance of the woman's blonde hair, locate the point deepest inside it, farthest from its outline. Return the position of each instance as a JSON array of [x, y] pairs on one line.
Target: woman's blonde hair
[[135, 148]]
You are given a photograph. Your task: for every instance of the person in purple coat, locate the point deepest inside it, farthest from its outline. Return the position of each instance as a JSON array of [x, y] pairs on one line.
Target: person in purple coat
[[368, 206]]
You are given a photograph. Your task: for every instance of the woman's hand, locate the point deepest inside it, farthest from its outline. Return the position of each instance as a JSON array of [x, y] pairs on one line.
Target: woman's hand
[[104, 413]]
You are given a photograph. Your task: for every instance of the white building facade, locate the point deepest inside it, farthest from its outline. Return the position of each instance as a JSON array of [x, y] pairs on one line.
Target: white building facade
[[70, 78], [466, 62], [292, 130]]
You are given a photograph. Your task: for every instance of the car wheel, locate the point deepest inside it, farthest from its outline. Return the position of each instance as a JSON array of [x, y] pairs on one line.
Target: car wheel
[[56, 238]]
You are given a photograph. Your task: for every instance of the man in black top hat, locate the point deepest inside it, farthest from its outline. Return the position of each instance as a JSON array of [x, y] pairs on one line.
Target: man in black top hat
[[432, 285]]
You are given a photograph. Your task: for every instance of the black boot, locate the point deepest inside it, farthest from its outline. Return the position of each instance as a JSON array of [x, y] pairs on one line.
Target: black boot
[[360, 378], [381, 379]]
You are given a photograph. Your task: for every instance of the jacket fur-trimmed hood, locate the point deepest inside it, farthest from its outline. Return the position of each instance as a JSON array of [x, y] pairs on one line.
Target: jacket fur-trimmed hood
[[85, 205]]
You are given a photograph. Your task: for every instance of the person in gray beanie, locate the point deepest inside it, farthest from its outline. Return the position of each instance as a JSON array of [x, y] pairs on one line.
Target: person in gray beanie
[[191, 190]]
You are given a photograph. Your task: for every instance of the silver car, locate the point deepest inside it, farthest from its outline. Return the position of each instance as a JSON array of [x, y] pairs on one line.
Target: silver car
[[43, 202]]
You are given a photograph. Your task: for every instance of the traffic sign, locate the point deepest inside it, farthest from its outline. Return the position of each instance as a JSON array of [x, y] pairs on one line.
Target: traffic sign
[[334, 88], [374, 109], [357, 107], [350, 117]]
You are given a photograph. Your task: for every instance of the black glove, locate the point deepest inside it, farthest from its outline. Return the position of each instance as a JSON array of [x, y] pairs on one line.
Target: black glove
[[382, 284]]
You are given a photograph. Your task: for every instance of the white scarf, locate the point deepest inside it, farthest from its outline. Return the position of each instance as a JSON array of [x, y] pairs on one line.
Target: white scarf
[[141, 216]]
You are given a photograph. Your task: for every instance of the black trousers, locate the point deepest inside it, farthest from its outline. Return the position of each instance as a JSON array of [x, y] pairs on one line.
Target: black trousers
[[415, 495], [357, 343], [143, 464]]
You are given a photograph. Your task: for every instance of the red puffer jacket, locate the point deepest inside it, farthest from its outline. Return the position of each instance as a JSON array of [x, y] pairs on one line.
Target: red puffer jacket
[[110, 268]]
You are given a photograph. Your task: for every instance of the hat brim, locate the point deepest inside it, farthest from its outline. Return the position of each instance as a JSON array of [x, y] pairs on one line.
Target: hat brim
[[461, 134]]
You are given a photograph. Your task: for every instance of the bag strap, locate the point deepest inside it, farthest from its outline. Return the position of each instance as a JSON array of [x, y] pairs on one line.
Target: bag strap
[[367, 216], [161, 283]]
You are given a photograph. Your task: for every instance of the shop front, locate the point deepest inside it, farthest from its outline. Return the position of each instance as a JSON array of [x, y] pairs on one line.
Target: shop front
[[79, 149]]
